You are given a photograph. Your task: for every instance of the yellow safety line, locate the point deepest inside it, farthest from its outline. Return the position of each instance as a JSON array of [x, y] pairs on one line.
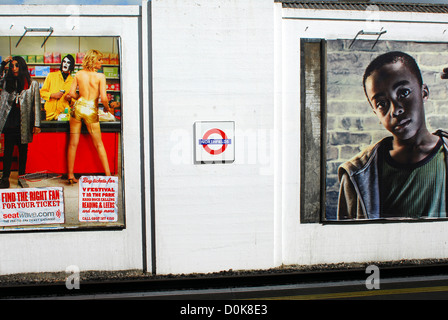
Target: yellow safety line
[[341, 295]]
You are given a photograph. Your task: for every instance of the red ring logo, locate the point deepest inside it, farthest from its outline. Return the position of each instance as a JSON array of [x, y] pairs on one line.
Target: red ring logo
[[217, 151]]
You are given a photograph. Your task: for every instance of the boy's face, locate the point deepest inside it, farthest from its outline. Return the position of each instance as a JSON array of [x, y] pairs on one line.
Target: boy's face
[[397, 99]]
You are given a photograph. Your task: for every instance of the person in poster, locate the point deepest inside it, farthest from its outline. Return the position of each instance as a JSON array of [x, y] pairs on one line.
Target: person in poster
[[404, 175], [56, 87], [19, 113], [92, 86]]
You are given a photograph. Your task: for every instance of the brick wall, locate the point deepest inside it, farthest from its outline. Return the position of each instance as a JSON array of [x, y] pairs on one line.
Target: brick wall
[[351, 124]]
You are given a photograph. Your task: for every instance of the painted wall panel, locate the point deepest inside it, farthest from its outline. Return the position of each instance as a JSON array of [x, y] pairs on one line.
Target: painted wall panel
[[89, 250], [323, 243], [213, 61]]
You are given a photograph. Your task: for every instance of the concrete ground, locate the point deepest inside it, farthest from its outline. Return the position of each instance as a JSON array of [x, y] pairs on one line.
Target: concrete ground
[[95, 276]]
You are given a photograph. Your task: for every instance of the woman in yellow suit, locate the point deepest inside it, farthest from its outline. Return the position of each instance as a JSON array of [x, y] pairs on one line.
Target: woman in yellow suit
[[56, 88]]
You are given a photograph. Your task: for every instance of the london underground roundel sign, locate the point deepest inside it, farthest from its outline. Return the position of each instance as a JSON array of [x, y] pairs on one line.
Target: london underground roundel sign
[[205, 141], [214, 141]]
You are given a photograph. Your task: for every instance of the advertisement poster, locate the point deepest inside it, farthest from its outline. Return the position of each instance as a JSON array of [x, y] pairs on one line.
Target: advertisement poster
[[31, 206], [63, 128], [98, 199], [386, 130]]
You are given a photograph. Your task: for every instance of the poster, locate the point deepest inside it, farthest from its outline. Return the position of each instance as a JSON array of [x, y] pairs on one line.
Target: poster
[[373, 117], [52, 71], [98, 199], [31, 206]]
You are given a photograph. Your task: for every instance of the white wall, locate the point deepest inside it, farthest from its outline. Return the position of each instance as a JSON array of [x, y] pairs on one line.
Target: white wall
[[316, 243], [223, 60], [213, 60], [89, 250]]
